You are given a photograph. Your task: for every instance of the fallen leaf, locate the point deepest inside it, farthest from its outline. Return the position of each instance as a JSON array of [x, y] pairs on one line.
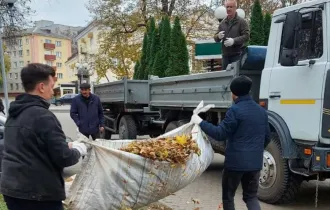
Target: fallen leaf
[[196, 201]]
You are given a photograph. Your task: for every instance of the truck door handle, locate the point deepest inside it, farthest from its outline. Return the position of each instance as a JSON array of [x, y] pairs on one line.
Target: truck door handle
[[275, 96]]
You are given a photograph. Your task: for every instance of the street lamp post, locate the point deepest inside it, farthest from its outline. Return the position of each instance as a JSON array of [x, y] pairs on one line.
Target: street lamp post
[[82, 69], [9, 4], [221, 13]]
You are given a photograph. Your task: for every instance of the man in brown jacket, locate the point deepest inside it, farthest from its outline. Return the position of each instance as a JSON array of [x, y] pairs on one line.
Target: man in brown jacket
[[234, 33]]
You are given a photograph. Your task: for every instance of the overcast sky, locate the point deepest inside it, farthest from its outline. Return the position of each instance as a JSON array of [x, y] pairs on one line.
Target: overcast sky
[[67, 12]]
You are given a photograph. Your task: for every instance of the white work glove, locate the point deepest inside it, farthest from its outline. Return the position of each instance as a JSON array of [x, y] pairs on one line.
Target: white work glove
[[196, 119], [221, 34], [81, 147], [229, 42]]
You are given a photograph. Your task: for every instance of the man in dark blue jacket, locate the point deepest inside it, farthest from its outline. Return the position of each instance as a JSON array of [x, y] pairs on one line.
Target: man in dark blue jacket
[[246, 128], [87, 112]]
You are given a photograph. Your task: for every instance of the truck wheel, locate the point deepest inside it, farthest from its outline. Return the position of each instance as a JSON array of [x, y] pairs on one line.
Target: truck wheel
[[106, 135], [277, 183], [171, 126], [218, 146], [127, 128]]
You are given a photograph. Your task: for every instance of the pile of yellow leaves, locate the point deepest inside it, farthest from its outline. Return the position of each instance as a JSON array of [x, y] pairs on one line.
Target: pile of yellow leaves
[[172, 149]]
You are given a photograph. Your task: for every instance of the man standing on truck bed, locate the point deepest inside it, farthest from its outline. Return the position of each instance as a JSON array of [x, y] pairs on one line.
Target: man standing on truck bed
[[246, 127], [87, 112], [234, 33]]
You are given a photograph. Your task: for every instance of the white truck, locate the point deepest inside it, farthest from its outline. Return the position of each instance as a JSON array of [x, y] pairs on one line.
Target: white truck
[[293, 84]]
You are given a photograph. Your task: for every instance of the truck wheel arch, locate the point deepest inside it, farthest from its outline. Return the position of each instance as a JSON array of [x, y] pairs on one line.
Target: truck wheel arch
[[278, 125]]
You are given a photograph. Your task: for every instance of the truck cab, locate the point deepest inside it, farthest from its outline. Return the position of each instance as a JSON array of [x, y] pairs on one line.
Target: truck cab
[[295, 89]]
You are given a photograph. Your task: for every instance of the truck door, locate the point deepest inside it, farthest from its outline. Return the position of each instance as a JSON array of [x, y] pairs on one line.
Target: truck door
[[295, 93]]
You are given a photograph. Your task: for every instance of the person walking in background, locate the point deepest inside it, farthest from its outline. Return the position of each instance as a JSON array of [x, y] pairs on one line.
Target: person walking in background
[[234, 33], [87, 112], [247, 129], [35, 147]]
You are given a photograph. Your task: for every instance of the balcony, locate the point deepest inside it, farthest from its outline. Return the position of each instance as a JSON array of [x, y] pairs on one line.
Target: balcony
[[50, 57], [49, 46]]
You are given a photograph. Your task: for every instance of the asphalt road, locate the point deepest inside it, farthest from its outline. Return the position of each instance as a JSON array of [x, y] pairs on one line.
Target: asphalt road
[[207, 188]]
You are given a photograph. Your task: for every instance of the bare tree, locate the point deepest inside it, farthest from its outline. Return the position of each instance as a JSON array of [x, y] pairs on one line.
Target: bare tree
[[14, 19]]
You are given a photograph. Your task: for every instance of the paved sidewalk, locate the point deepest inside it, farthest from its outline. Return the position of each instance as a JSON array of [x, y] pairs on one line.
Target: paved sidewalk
[[62, 109], [207, 190]]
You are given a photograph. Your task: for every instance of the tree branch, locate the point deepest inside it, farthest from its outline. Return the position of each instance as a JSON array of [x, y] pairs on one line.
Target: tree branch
[[172, 6]]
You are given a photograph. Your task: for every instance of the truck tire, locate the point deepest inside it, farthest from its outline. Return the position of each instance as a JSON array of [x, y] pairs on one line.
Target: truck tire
[[127, 127], [106, 135], [218, 146], [171, 126], [277, 185]]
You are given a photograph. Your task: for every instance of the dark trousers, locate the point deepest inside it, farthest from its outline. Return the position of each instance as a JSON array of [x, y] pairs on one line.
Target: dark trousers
[[249, 181], [21, 204], [94, 136], [229, 59]]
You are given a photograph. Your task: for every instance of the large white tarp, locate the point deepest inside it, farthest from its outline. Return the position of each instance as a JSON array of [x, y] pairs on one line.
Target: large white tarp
[[114, 179]]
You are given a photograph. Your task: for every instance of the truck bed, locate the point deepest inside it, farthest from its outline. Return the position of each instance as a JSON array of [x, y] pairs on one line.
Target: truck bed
[[124, 91], [188, 90]]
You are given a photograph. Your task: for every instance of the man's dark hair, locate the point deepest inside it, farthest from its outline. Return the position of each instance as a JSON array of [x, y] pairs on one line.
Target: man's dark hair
[[35, 73], [241, 85], [85, 86]]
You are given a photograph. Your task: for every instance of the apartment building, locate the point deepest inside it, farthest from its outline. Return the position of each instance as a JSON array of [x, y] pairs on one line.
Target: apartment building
[[88, 44], [46, 43]]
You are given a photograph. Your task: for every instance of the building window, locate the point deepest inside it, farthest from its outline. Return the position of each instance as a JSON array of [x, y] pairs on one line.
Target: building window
[[15, 64], [11, 87], [59, 65], [20, 42], [58, 43], [14, 52], [28, 52], [27, 41], [59, 54], [20, 53], [48, 41], [49, 63], [59, 75], [10, 75], [21, 63], [17, 87], [16, 75]]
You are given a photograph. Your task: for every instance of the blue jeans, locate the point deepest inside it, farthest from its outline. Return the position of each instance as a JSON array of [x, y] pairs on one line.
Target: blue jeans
[[250, 184]]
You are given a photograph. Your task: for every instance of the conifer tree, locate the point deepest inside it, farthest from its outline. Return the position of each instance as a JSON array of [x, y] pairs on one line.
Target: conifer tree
[[136, 70], [143, 61], [257, 25], [162, 56], [267, 24], [179, 58]]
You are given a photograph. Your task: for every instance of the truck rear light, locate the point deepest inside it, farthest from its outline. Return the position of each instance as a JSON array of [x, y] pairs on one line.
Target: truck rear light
[[328, 160]]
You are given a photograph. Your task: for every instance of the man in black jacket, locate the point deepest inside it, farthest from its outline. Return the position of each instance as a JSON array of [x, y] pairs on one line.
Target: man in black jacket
[[35, 147], [247, 129]]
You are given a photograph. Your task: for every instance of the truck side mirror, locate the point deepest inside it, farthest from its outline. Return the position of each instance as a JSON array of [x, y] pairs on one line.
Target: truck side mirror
[[290, 39]]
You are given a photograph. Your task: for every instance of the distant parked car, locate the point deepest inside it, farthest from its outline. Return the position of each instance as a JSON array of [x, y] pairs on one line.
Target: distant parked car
[[65, 99]]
